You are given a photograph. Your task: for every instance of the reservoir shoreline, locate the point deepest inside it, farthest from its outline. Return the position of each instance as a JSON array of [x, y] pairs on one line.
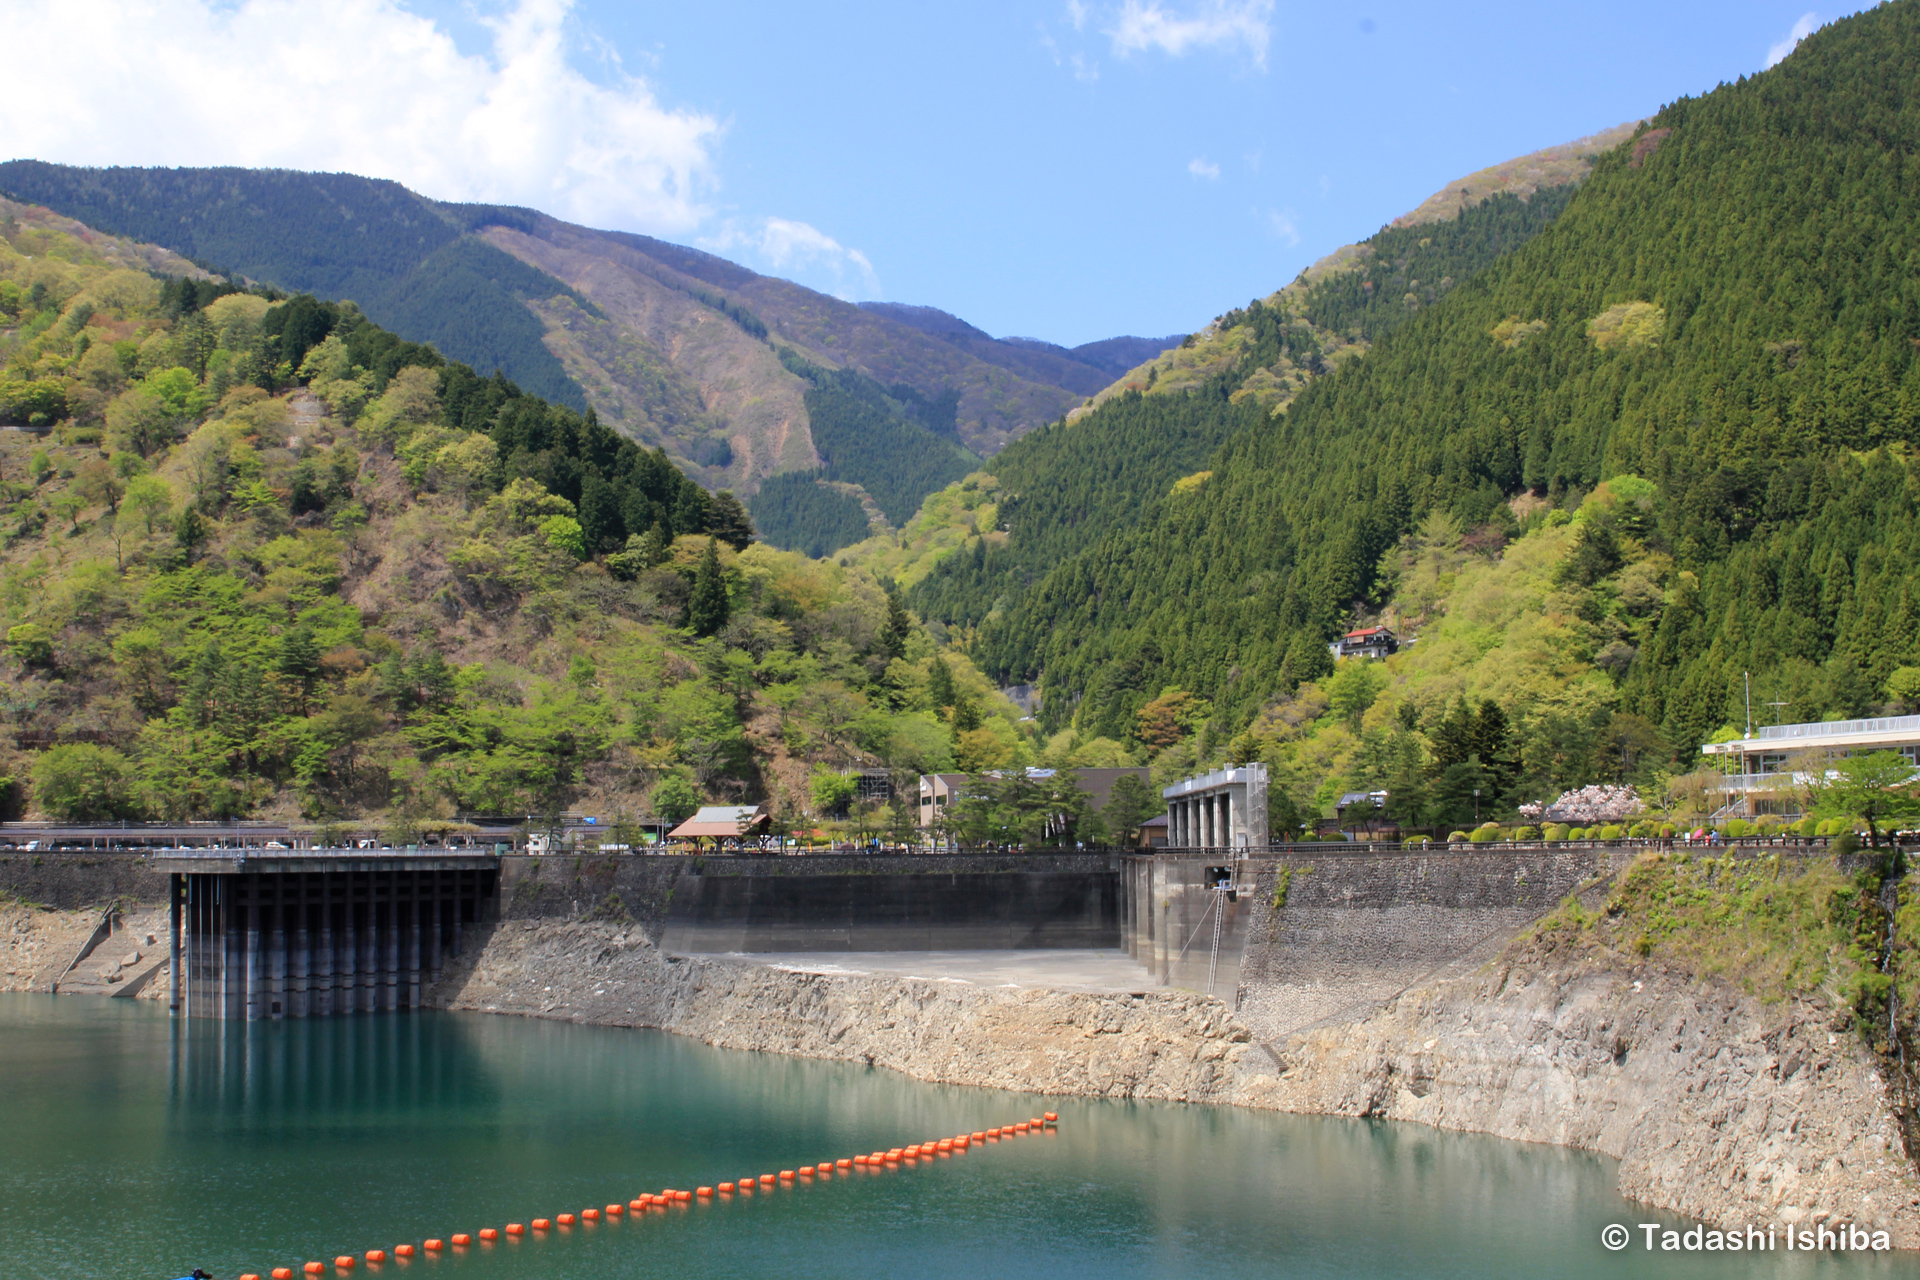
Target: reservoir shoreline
[[1715, 1105]]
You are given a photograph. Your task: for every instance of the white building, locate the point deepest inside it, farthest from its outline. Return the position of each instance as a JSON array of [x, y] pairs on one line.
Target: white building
[[1225, 809], [1783, 759]]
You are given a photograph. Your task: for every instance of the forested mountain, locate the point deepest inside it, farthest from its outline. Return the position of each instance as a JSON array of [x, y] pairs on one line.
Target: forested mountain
[[261, 557], [1085, 369], [1073, 482], [670, 346], [408, 263], [1722, 323]]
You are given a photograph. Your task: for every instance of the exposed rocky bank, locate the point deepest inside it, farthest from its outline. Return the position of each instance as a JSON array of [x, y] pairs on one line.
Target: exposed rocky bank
[[1718, 1108]]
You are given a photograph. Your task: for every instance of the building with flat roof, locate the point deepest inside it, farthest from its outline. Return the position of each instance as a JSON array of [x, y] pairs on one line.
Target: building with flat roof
[[1770, 769], [1225, 809]]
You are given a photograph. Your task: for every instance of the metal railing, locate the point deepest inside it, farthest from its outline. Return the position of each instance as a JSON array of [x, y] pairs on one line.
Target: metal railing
[[1787, 732]]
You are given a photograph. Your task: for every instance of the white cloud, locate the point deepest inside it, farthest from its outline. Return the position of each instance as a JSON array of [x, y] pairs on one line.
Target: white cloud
[[1200, 167], [1283, 224], [1077, 12], [1143, 25], [1801, 30], [801, 252], [361, 86]]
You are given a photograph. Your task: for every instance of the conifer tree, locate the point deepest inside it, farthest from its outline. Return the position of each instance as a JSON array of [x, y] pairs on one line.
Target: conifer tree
[[708, 608]]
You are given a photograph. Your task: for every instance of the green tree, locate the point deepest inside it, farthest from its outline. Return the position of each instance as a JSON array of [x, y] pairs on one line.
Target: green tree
[[728, 521], [563, 534], [675, 800], [892, 639], [81, 782], [140, 420], [1871, 788], [940, 687], [708, 608], [831, 793], [1130, 803]]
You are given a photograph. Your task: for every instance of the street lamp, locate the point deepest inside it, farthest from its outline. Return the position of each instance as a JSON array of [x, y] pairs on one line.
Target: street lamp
[[1476, 806]]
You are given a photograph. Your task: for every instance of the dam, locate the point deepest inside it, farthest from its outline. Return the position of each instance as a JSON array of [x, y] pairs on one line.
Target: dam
[[316, 933]]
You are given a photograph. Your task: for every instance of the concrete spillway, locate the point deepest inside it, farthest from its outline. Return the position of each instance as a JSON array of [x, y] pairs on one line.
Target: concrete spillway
[[315, 934]]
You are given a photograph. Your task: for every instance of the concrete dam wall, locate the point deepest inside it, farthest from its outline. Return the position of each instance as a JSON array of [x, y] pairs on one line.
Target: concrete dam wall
[[1305, 934], [910, 903]]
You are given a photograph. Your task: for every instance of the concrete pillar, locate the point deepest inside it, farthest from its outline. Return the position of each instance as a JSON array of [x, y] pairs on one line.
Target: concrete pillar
[[412, 993], [434, 937], [277, 988], [300, 969], [346, 983], [1226, 818], [233, 969], [1206, 822], [256, 966], [173, 942], [320, 983], [390, 963], [369, 960]]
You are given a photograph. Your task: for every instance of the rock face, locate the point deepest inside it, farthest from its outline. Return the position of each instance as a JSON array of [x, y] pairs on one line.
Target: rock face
[[1172, 1045], [1718, 1108]]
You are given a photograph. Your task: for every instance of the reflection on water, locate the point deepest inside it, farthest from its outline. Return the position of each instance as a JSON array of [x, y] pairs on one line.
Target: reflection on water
[[141, 1146]]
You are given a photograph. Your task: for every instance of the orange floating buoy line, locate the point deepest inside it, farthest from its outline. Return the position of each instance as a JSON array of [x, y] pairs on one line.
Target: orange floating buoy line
[[638, 1208]]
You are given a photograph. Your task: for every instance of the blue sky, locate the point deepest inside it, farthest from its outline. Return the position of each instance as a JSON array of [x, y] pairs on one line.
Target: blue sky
[[1067, 169]]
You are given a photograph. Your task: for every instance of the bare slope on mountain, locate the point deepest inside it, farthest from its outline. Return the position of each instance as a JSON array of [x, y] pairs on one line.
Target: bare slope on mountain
[[670, 345]]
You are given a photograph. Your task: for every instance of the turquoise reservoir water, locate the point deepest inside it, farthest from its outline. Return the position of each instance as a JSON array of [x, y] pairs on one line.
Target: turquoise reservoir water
[[134, 1146]]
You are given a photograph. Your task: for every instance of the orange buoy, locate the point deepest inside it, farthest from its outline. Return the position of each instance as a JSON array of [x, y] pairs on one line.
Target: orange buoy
[[786, 1175], [806, 1171], [766, 1179], [566, 1219], [248, 1275], [1022, 1127], [344, 1262], [848, 1164], [283, 1273], [615, 1210], [993, 1133], [1053, 1117], [637, 1203], [945, 1144], [726, 1188], [589, 1215], [964, 1141], [539, 1224], [980, 1135], [683, 1196], [489, 1233], [315, 1268], [515, 1229], [403, 1251], [433, 1246], [376, 1255], [857, 1160], [461, 1239], [704, 1192]]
